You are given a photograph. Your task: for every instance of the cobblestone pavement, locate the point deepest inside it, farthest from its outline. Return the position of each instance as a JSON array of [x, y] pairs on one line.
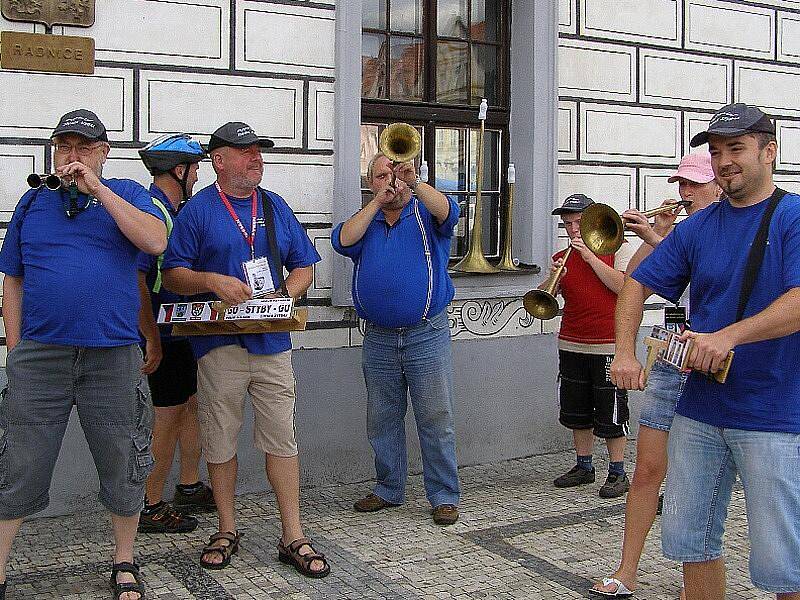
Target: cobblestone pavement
[[518, 537]]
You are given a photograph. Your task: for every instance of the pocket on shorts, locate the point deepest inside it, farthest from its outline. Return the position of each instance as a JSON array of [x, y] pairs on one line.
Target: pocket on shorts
[[142, 461], [141, 456], [3, 439]]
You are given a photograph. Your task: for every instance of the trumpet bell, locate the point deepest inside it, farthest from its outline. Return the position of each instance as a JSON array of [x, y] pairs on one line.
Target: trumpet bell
[[540, 304], [602, 229], [400, 142]]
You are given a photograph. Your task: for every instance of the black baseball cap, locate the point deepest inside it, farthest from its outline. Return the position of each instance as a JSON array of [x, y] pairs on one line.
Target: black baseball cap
[[82, 122], [574, 204], [238, 135], [735, 120]]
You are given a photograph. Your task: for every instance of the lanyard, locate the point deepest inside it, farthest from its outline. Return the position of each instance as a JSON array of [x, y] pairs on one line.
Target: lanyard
[[251, 238]]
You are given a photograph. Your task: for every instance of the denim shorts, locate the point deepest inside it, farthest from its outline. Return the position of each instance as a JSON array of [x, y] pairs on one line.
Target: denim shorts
[[664, 387], [703, 463], [115, 411]]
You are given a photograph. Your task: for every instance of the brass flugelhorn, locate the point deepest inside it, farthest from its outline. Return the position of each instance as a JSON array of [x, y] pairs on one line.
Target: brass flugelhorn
[[542, 303], [506, 259], [50, 180], [602, 228], [475, 261], [400, 143]]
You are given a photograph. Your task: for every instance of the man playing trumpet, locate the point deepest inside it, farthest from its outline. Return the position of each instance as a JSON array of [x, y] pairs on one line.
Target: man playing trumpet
[[590, 404], [400, 244]]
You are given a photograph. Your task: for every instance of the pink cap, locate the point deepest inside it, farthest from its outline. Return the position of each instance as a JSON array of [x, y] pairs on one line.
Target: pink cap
[[695, 167]]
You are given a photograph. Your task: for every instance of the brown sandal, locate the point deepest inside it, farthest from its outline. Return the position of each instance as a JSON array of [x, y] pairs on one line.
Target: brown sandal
[[290, 555], [226, 551]]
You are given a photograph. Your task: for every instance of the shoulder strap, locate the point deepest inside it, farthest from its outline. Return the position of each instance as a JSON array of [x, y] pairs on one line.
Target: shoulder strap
[[269, 224], [756, 255], [160, 260]]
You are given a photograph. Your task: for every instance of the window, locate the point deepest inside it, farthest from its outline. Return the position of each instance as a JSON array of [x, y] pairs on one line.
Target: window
[[429, 63]]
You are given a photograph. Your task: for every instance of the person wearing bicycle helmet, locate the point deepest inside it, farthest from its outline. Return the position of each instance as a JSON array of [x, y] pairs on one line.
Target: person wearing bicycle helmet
[[170, 366]]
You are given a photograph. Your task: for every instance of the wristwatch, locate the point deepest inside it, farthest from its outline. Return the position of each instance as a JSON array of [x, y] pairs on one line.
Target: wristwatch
[[414, 185]]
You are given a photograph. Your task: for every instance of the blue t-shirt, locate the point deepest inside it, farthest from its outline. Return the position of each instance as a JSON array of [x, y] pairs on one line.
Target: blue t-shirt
[[205, 238], [148, 263], [79, 274], [710, 248], [391, 274]]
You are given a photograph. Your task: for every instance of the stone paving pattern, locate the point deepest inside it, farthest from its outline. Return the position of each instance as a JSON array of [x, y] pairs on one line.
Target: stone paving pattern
[[518, 537]]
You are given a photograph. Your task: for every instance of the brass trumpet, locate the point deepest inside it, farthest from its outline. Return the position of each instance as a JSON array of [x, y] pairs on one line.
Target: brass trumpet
[[50, 181], [543, 304], [602, 229], [400, 143]]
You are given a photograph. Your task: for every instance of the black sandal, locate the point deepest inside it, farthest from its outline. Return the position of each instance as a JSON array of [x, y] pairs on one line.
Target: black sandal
[[123, 588], [226, 551], [290, 555]]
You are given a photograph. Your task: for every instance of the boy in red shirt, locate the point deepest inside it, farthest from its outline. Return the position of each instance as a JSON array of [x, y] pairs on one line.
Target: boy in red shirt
[[590, 403]]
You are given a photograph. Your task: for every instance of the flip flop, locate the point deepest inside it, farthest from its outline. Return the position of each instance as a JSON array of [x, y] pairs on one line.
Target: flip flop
[[622, 590]]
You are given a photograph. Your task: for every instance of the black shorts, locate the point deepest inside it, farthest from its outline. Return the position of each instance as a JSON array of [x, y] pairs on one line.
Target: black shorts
[[175, 380], [588, 398]]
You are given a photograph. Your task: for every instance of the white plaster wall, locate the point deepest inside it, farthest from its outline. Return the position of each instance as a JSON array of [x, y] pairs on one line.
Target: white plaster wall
[[191, 65], [638, 78]]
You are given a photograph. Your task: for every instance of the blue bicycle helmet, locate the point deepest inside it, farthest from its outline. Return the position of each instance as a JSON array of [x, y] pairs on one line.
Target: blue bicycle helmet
[[165, 153]]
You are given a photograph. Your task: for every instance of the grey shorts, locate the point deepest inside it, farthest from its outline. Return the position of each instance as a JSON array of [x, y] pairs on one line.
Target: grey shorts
[[115, 411]]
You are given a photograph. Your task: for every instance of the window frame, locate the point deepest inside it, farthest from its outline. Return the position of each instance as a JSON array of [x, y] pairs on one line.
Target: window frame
[[533, 137], [418, 109]]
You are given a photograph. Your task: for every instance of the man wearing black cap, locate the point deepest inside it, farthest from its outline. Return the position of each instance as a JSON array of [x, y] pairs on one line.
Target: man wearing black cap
[[70, 308], [742, 256], [590, 404], [228, 226]]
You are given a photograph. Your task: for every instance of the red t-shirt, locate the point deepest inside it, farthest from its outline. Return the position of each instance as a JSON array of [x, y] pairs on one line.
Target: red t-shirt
[[588, 304]]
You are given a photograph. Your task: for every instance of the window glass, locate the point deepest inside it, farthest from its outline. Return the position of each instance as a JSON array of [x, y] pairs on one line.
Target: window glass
[[406, 68], [452, 66], [373, 65], [406, 16], [452, 18], [373, 14]]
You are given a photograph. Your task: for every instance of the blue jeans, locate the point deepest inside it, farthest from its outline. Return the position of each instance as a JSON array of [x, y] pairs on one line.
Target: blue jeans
[[664, 387], [703, 463], [415, 360]]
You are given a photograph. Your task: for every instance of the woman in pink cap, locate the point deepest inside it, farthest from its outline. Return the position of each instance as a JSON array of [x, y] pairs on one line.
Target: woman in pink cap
[[696, 184]]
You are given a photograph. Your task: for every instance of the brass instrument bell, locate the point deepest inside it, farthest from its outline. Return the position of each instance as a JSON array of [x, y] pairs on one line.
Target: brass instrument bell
[[542, 303], [602, 228], [400, 143]]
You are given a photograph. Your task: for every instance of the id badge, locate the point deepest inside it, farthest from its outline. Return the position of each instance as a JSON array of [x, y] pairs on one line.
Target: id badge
[[675, 318], [258, 276]]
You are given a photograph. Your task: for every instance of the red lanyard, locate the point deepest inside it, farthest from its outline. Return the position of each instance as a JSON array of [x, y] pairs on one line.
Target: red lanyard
[[249, 238]]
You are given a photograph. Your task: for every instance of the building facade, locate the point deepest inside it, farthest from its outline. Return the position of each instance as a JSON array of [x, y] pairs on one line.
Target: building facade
[[589, 96]]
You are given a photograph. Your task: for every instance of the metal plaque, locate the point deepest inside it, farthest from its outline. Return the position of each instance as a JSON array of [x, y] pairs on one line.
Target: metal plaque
[[76, 13], [51, 53]]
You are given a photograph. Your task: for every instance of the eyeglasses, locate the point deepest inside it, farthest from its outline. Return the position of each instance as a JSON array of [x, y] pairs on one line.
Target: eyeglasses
[[81, 149]]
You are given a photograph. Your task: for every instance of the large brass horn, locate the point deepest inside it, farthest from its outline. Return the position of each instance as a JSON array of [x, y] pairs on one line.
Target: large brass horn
[[506, 259], [542, 303], [475, 260], [602, 229], [400, 143]]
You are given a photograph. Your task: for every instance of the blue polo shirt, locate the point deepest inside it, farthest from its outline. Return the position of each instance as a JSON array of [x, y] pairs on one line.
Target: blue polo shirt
[[205, 238], [79, 274], [710, 248], [391, 274], [147, 264]]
